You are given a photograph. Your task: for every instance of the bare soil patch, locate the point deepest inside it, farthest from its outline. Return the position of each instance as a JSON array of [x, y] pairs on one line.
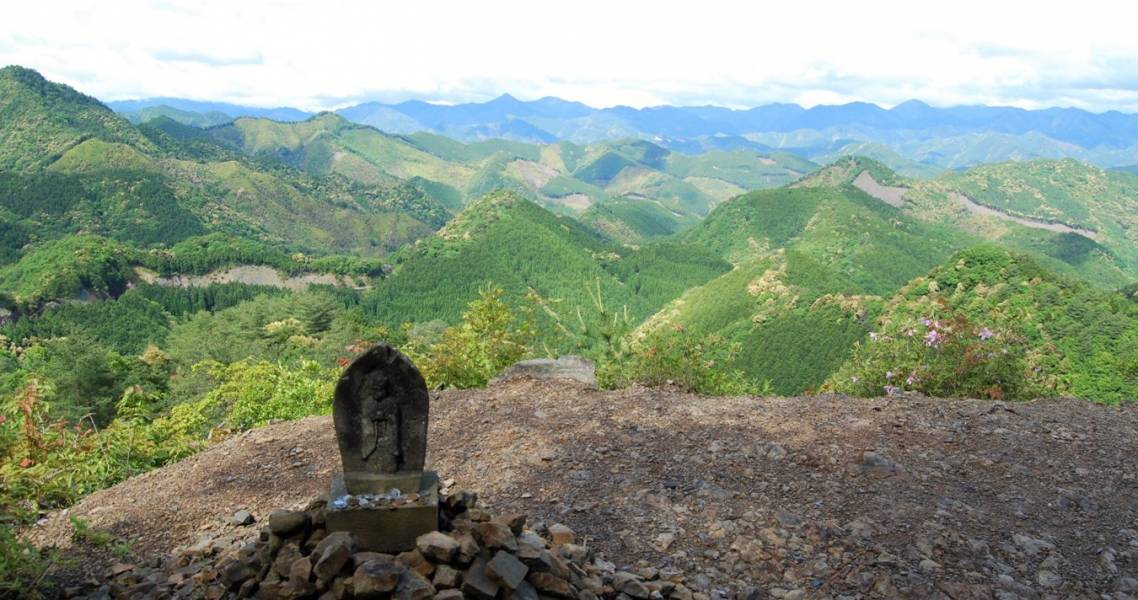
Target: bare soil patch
[[776, 497]]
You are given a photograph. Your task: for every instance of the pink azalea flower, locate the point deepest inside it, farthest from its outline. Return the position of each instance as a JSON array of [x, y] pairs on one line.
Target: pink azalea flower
[[986, 334], [933, 338]]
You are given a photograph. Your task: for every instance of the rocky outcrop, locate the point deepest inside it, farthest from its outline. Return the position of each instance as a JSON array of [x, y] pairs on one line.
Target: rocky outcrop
[[572, 368]]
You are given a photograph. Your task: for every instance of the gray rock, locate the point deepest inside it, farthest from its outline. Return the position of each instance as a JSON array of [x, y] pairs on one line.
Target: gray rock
[[524, 591], [572, 368], [449, 595], [549, 584], [437, 546], [237, 573], [516, 522], [332, 554], [627, 583], [242, 518], [530, 545], [476, 584], [560, 534], [507, 570], [467, 549], [413, 586], [374, 580], [446, 577], [496, 535], [285, 522]]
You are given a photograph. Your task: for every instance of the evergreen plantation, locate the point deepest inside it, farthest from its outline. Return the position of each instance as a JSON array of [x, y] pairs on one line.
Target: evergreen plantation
[[725, 271]]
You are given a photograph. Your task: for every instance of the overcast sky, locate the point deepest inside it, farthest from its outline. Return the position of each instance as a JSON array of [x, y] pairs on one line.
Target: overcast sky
[[327, 54]]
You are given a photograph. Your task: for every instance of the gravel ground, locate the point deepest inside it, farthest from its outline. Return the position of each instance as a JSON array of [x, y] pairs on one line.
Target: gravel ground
[[817, 497]]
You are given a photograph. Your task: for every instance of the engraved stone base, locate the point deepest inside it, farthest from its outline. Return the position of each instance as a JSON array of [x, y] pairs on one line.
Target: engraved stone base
[[381, 525]]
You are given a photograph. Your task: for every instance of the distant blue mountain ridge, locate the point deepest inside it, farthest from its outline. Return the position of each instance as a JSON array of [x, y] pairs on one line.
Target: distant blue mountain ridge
[[1109, 138]]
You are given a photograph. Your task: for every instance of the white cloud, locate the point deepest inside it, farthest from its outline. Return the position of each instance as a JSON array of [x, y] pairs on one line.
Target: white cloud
[[315, 55]]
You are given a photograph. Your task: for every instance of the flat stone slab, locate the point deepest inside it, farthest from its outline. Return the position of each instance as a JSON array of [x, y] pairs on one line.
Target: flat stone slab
[[572, 368], [382, 523]]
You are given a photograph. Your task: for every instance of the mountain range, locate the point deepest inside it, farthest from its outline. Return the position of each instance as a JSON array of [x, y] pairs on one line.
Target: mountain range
[[795, 262], [912, 137]]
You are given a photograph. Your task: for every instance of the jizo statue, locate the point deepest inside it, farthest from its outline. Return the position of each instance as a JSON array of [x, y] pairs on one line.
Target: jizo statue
[[380, 412]]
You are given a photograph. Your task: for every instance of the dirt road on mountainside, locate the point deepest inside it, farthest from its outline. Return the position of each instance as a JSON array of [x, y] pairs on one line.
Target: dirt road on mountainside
[[751, 497]]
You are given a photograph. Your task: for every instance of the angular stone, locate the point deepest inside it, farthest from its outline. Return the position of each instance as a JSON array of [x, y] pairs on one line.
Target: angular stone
[[446, 577], [342, 587], [285, 557], [551, 585], [437, 546], [449, 595], [461, 501], [242, 518], [530, 545], [360, 558], [524, 591], [414, 560], [574, 552], [631, 585], [681, 593], [374, 580], [506, 569], [301, 570], [332, 554], [496, 535], [476, 584], [287, 522], [413, 586], [560, 534], [237, 573], [468, 549], [516, 522]]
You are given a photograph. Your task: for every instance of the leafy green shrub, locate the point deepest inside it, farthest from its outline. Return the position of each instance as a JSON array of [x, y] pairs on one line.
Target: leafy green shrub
[[489, 338], [250, 394], [674, 356], [22, 566]]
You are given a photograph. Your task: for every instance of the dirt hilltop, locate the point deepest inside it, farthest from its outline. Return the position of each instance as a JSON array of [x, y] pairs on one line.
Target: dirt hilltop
[[750, 497]]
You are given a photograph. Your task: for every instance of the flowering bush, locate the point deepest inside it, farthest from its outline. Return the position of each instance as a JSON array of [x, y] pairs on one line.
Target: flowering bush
[[947, 356]]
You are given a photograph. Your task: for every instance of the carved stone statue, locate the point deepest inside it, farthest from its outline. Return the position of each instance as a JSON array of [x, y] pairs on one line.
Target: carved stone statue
[[380, 413]]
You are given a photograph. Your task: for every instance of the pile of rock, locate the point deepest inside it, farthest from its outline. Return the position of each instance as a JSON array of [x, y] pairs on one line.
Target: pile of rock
[[471, 556]]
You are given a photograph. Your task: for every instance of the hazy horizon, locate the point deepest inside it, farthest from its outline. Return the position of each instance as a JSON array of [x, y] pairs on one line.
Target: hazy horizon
[[286, 53]]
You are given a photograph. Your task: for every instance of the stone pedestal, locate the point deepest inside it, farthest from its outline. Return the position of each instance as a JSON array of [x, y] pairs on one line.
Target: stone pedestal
[[382, 523]]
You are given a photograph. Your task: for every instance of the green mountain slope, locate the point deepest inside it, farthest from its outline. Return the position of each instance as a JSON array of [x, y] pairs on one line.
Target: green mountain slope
[[1074, 218], [653, 191], [811, 265], [795, 319], [875, 245], [508, 241], [42, 120], [70, 165]]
